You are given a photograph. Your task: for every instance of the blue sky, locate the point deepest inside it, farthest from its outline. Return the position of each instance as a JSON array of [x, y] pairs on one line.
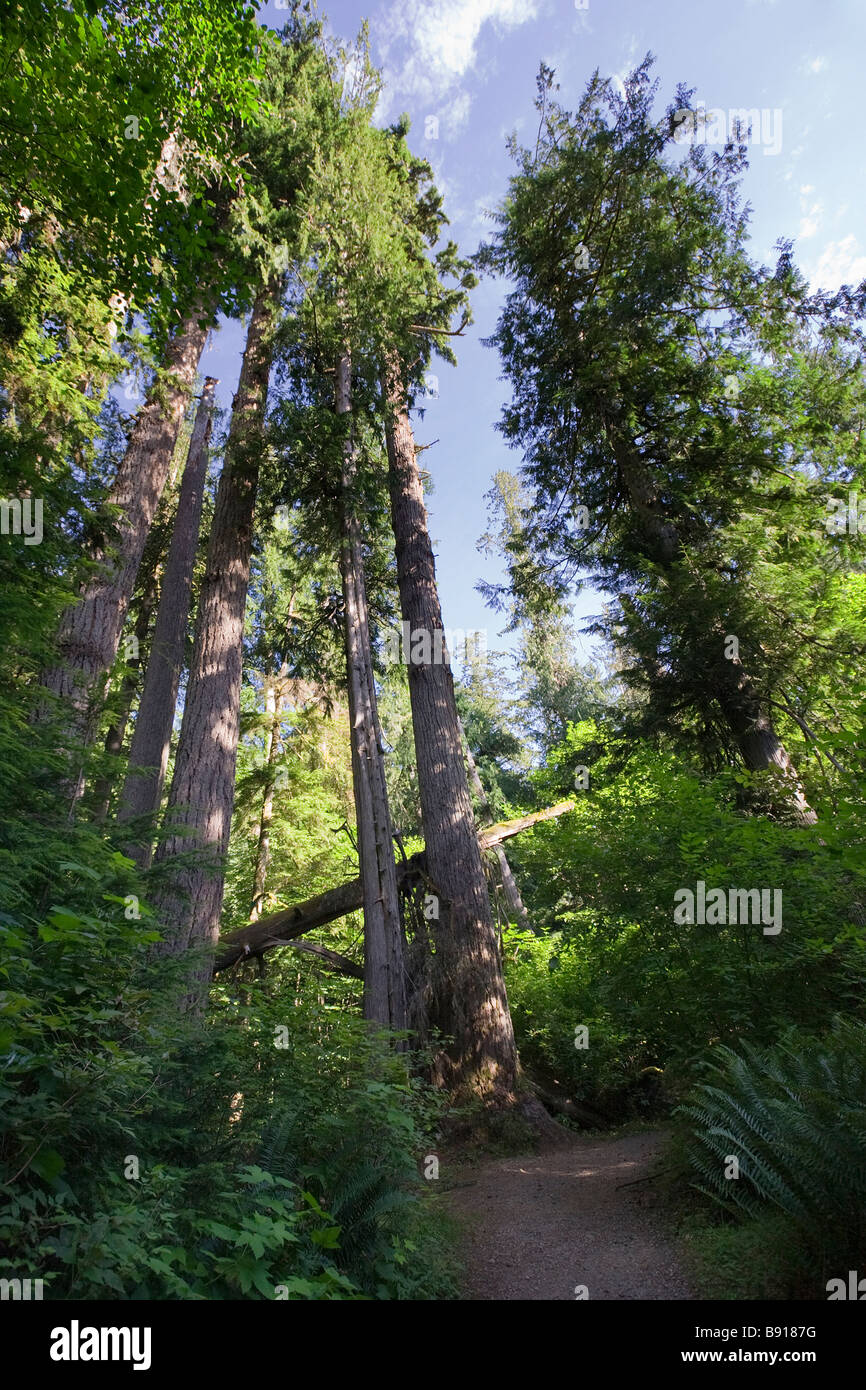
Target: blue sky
[[465, 72]]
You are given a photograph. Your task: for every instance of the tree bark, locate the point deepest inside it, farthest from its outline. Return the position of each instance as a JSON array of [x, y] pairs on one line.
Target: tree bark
[[384, 971], [469, 1004], [90, 629], [202, 791], [148, 754], [116, 733]]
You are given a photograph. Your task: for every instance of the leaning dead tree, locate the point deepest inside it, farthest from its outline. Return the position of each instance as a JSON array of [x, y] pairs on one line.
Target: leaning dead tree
[[281, 928], [509, 883]]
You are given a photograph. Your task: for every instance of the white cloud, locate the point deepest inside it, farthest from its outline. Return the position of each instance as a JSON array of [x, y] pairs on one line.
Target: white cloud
[[811, 212], [841, 263], [456, 114], [429, 45], [815, 64]]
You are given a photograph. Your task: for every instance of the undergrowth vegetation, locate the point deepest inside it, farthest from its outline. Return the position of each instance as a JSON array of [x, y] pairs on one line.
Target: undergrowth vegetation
[[752, 1045], [276, 1152]]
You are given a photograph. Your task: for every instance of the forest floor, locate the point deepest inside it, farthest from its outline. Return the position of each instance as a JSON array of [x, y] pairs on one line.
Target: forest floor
[[538, 1227]]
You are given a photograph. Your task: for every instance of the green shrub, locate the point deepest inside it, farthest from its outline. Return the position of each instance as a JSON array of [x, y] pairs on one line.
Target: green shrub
[[794, 1116], [600, 882], [259, 1165], [555, 985]]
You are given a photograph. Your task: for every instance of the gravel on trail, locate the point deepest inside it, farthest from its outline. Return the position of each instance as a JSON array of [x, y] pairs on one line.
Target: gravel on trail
[[542, 1226]]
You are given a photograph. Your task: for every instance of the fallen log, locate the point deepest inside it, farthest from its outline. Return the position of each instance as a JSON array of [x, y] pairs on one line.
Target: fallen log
[[291, 922]]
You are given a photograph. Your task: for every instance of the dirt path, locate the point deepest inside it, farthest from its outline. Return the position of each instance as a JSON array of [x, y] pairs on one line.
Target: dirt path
[[537, 1227]]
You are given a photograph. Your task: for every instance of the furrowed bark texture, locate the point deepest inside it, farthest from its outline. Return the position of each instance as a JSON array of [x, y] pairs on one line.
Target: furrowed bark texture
[[148, 754], [469, 1002], [202, 791], [384, 972], [90, 629]]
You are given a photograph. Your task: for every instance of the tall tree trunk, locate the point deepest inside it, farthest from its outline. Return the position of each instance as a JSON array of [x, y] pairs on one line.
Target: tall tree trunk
[[274, 707], [116, 733], [509, 883], [202, 790], [148, 754], [90, 629], [469, 1003], [384, 971]]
